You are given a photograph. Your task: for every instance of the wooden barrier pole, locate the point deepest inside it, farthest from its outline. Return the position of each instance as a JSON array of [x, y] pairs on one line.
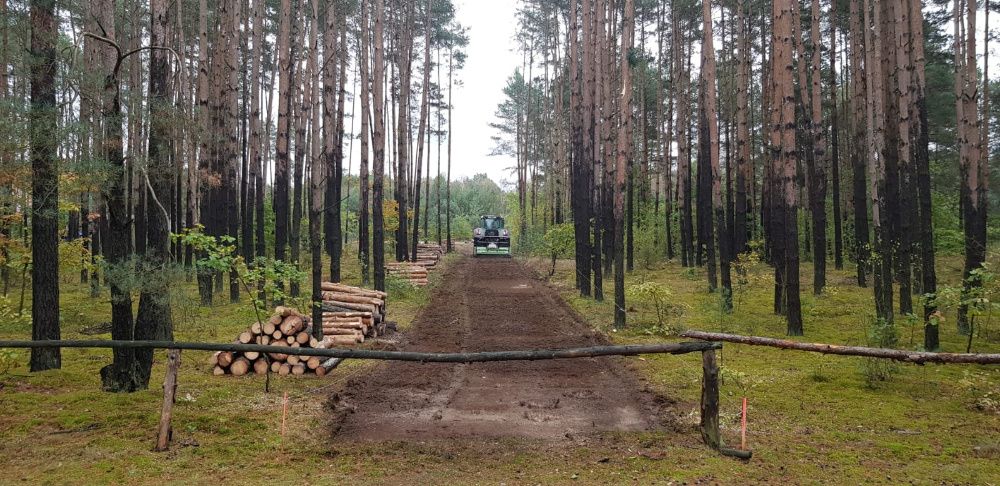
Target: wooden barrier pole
[[348, 353], [917, 357]]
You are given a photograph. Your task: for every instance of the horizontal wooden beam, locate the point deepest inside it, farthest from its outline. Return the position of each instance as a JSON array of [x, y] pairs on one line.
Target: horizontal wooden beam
[[344, 353], [917, 357]]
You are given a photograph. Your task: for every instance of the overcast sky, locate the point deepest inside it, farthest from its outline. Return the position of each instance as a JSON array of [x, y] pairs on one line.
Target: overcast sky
[[490, 60]]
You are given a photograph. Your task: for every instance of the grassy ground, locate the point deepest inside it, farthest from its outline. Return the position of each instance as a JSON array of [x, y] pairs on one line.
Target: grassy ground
[[813, 419]]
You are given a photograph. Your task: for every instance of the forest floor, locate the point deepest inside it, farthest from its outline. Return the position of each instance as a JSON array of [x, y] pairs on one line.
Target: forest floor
[[812, 418], [495, 305]]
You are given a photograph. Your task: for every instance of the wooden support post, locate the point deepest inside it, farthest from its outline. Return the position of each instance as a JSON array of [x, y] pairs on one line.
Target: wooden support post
[[710, 407], [710, 399], [169, 397]]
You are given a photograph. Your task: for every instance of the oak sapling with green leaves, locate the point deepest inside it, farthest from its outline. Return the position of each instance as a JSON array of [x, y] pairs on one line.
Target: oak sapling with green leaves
[[219, 255]]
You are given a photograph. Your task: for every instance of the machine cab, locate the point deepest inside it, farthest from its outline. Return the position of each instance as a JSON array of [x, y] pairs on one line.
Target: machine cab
[[490, 237]]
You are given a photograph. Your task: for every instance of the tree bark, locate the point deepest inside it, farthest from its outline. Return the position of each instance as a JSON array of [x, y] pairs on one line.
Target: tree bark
[[300, 114], [43, 121], [153, 320], [817, 167], [974, 169], [330, 163], [423, 127], [876, 123], [316, 180], [921, 158], [858, 152], [378, 112], [624, 153], [281, 160], [783, 135], [364, 213], [744, 167], [579, 168], [838, 225], [712, 142], [404, 60]]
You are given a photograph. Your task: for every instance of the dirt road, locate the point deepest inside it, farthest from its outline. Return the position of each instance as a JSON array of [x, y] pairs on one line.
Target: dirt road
[[489, 305]]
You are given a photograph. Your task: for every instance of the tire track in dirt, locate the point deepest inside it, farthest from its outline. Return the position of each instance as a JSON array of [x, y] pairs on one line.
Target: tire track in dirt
[[491, 305]]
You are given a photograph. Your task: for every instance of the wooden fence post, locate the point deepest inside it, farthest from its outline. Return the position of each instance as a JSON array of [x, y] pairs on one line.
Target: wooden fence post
[[710, 399], [169, 397], [710, 407]]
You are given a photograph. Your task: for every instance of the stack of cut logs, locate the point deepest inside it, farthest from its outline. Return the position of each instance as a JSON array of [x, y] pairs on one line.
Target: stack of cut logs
[[350, 314], [416, 272], [287, 327]]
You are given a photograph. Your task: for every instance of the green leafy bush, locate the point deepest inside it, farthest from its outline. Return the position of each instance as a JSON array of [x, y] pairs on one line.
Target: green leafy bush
[[655, 301], [879, 333]]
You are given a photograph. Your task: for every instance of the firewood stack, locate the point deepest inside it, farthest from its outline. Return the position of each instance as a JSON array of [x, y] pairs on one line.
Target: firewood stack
[[287, 327], [351, 314], [416, 272]]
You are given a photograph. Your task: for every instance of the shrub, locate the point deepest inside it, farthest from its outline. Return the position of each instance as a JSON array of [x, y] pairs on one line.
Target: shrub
[[879, 333], [655, 297]]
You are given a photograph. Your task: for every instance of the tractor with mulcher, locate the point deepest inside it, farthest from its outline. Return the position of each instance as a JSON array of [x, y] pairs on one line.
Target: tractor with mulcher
[[490, 238]]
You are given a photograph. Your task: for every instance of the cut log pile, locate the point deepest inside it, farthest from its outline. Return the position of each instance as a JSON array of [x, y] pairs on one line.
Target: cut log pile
[[416, 272], [351, 314], [286, 327]]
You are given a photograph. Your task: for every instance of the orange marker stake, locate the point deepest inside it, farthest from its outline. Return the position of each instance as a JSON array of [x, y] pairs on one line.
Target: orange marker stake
[[284, 413], [743, 427]]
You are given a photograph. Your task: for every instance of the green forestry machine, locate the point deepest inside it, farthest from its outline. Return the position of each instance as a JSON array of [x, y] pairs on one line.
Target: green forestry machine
[[490, 237]]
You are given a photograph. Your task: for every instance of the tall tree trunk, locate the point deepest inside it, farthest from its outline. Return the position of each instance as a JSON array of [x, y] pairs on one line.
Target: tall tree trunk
[[364, 256], [876, 123], [437, 182], [122, 375], [231, 117], [580, 170], [44, 118], [817, 168], [595, 77], [684, 154], [906, 201], [333, 142], [838, 226], [451, 72], [378, 136], [785, 165], [744, 168], [256, 157], [301, 104], [975, 170], [6, 157], [336, 244], [423, 125], [404, 59], [281, 160], [712, 143], [153, 321], [921, 159], [199, 211], [624, 153], [316, 177], [858, 153]]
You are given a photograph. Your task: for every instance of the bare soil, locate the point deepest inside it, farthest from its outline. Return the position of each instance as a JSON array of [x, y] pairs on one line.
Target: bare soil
[[492, 305]]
